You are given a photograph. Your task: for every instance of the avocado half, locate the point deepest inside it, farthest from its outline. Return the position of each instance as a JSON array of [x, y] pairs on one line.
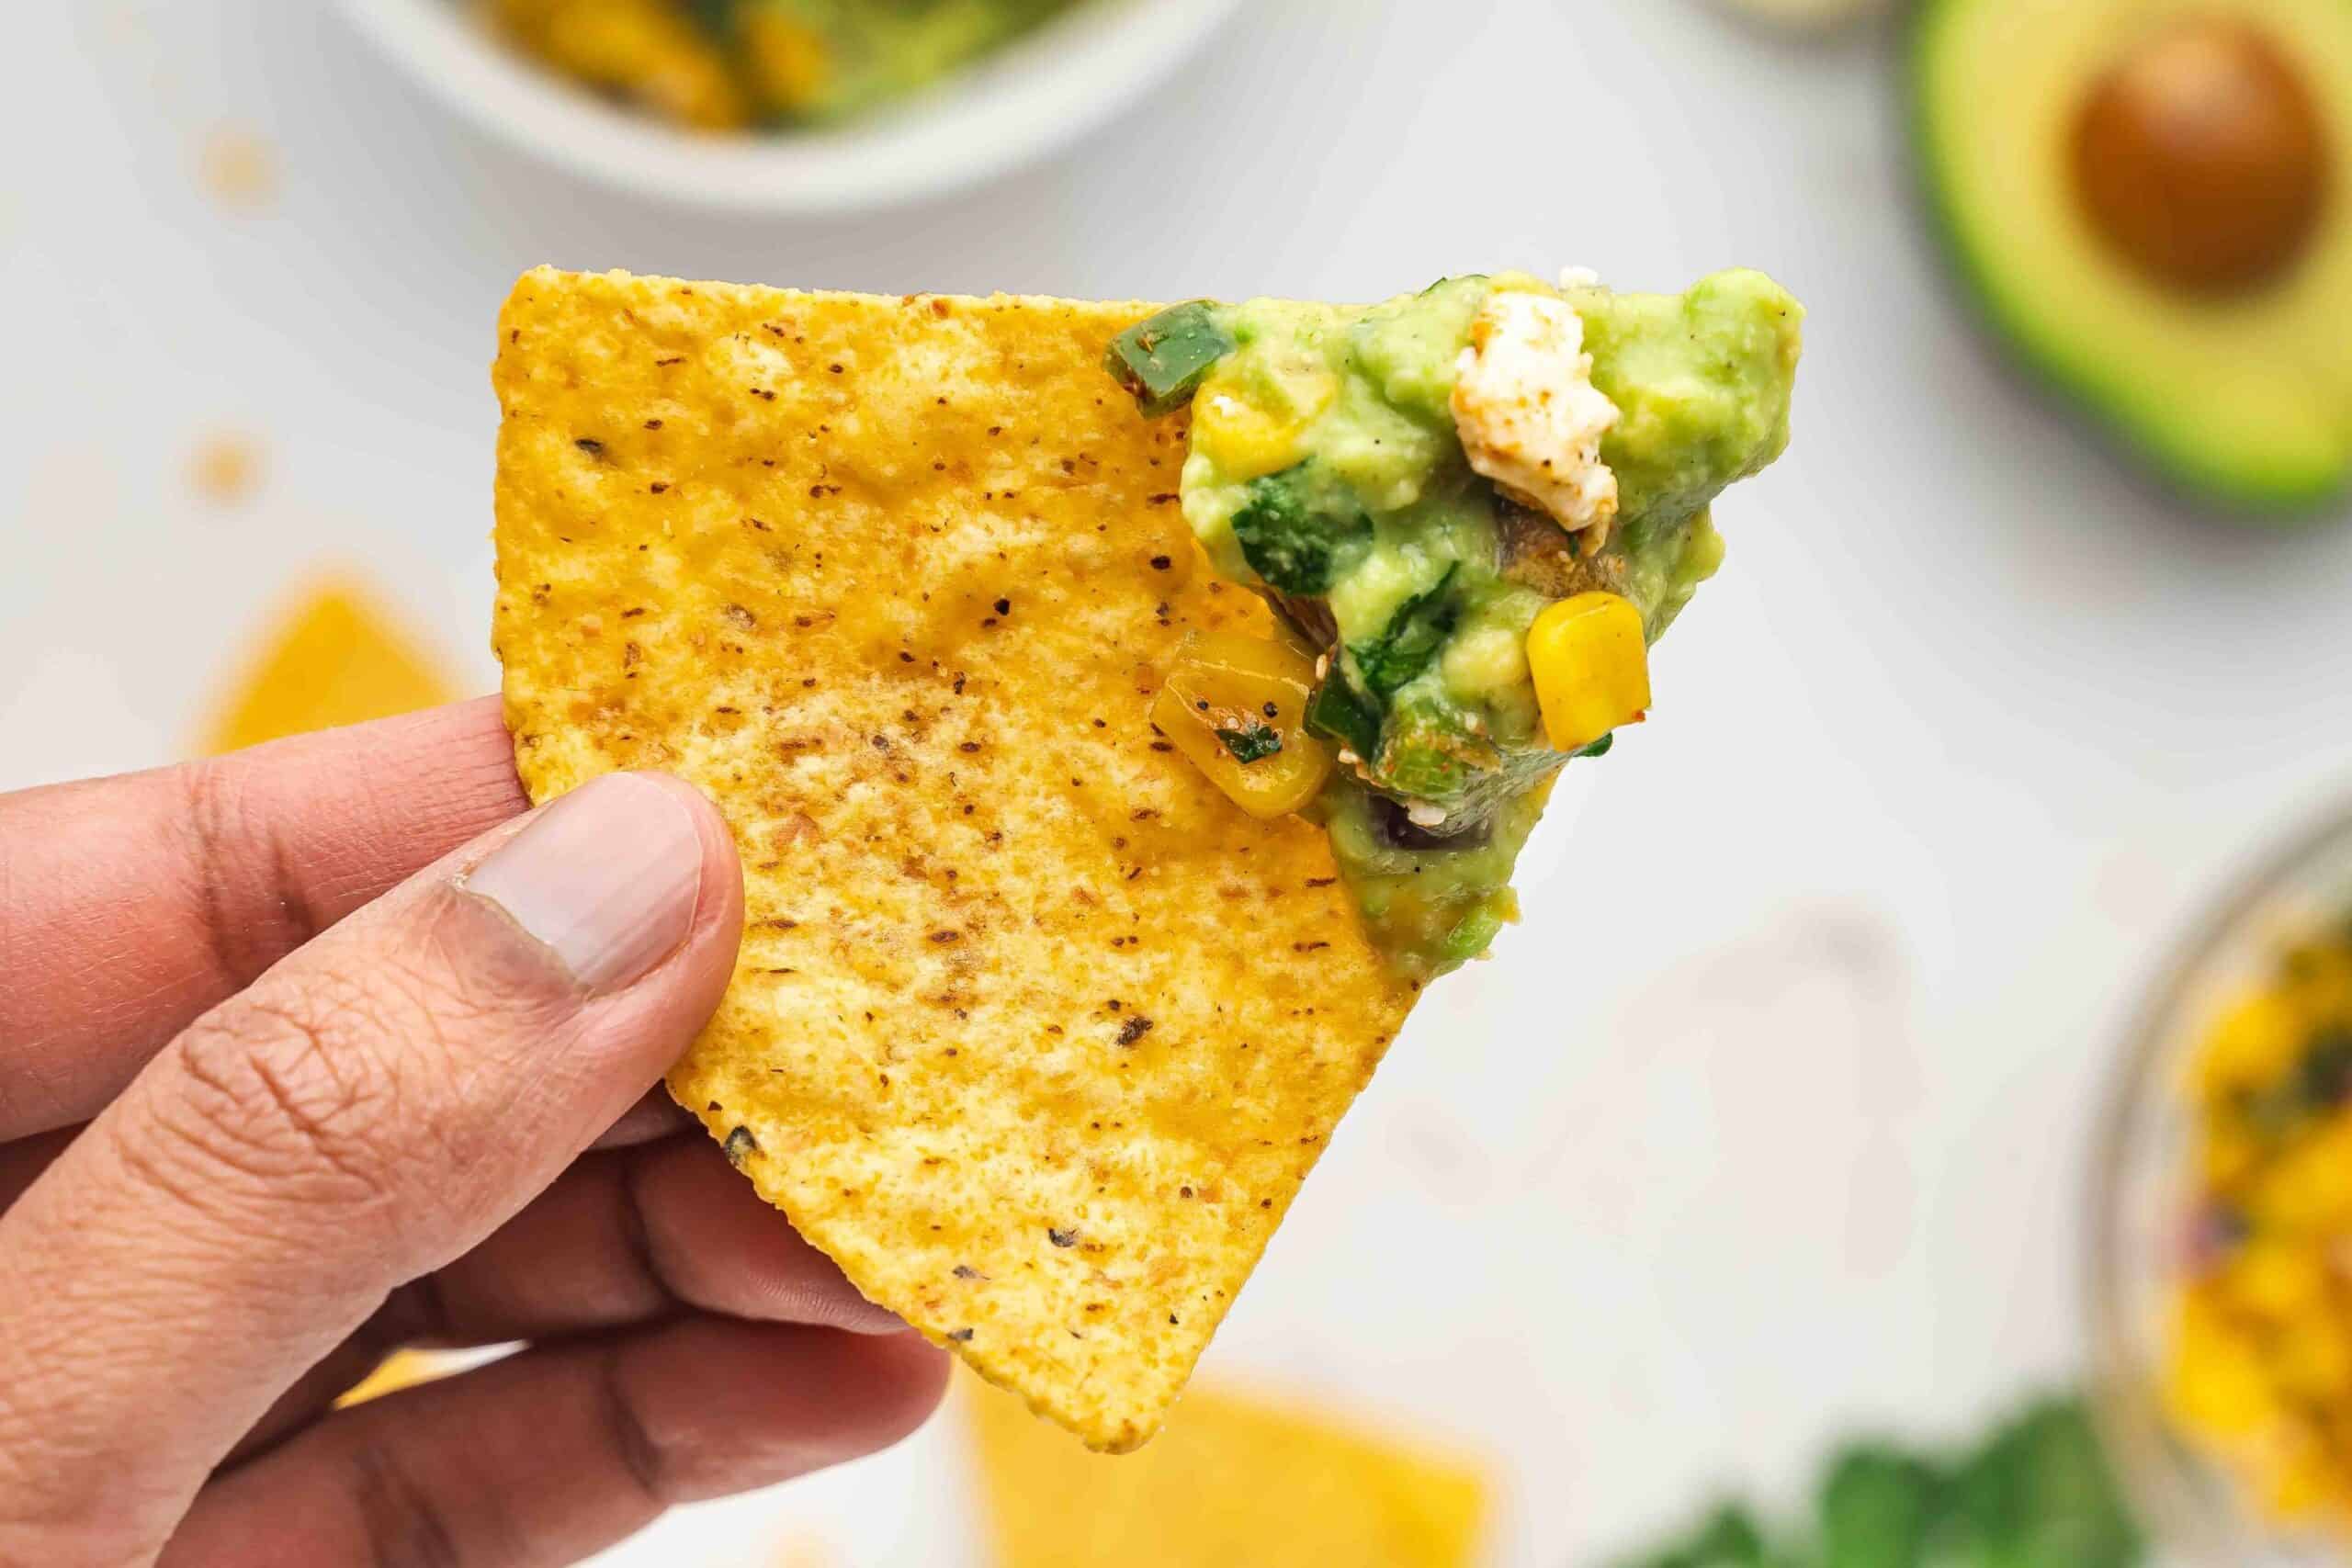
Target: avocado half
[[2151, 201]]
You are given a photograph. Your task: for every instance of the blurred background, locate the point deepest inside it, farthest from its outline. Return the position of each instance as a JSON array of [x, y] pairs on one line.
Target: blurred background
[[1872, 1062]]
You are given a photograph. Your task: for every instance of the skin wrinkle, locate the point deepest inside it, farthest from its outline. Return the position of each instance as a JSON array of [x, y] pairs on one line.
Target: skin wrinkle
[[189, 1303], [637, 1240], [321, 1078], [243, 1132], [639, 1455], [107, 892], [400, 1520], [243, 918]]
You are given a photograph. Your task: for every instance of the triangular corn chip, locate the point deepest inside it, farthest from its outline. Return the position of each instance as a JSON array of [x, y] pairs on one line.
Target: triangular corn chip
[[335, 657], [1034, 1031], [1237, 1478]]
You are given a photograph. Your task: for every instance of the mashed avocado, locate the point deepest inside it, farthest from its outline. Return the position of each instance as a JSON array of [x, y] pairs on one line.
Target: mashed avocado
[[1336, 466]]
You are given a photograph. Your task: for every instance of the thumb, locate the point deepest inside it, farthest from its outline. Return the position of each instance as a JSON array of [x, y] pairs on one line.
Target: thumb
[[371, 1108]]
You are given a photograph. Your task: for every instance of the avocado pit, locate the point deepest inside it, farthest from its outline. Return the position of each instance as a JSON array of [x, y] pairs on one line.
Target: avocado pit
[[2200, 157]]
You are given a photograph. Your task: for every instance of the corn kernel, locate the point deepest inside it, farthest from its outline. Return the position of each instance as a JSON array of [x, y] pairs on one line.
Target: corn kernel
[[2277, 1279], [1248, 428], [2217, 1384], [2301, 1480], [1236, 706], [2314, 1358], [786, 59], [2226, 1157], [1591, 666], [2309, 1187], [2253, 1042]]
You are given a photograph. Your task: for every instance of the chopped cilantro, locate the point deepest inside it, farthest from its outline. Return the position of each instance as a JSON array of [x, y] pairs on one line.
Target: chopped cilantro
[[1252, 742], [1287, 542], [1414, 634], [2037, 1492], [1343, 713]]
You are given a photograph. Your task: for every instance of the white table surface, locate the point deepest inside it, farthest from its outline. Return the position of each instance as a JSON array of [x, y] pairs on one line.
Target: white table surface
[[1771, 1117]]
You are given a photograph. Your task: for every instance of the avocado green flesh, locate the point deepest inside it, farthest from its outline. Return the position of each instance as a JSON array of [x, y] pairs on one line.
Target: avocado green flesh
[[1381, 542], [2243, 401]]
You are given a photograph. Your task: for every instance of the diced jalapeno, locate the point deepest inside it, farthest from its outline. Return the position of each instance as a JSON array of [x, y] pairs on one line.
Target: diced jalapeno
[[1162, 362], [1471, 934], [1426, 755]]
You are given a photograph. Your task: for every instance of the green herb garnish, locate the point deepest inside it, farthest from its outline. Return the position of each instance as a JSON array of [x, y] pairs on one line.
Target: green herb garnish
[[1293, 547], [1414, 634], [2037, 1492], [1252, 742], [1340, 711]]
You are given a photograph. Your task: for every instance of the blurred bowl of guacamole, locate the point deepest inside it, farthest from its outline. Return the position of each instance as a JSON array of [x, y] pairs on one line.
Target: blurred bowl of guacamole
[[789, 106], [2221, 1220]]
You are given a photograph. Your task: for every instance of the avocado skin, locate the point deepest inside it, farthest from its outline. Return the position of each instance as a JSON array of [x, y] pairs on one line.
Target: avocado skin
[[2210, 483]]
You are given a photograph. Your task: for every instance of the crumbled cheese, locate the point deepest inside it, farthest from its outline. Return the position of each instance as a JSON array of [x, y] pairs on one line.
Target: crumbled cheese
[[1421, 813], [1528, 415]]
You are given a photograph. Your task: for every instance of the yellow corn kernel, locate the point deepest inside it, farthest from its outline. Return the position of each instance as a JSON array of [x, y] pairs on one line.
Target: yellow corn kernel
[[2226, 1157], [2297, 1478], [2313, 1356], [2252, 1043], [785, 59], [2217, 1384], [1248, 431], [1591, 666], [643, 50], [1236, 706], [2277, 1279], [2308, 1187]]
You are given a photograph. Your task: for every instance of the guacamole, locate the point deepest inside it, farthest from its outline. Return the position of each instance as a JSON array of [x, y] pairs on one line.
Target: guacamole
[[735, 64], [1422, 488]]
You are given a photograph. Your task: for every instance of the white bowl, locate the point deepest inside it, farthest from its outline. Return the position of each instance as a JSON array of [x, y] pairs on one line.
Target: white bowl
[[1039, 93]]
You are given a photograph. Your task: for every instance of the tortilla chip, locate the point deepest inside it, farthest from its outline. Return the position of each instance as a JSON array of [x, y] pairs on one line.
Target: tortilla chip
[[335, 657], [1235, 1479], [401, 1369], [1034, 1032]]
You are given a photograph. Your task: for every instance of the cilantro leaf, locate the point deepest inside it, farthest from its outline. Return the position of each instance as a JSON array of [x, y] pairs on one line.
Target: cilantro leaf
[[1288, 543], [1412, 637], [1252, 742]]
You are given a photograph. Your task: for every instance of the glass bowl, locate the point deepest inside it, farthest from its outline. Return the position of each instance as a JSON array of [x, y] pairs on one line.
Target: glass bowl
[[2141, 1198]]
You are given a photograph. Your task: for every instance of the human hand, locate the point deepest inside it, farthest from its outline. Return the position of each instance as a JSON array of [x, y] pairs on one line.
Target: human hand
[[273, 1100]]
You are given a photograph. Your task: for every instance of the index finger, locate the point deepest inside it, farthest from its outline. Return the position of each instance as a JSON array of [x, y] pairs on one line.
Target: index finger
[[130, 906]]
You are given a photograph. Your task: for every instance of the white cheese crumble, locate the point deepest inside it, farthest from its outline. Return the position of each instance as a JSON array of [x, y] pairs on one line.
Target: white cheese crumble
[[1528, 415]]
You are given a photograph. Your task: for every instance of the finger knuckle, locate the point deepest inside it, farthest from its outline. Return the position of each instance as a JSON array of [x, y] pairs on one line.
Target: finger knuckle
[[402, 1520], [636, 1453], [288, 1094], [248, 909]]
